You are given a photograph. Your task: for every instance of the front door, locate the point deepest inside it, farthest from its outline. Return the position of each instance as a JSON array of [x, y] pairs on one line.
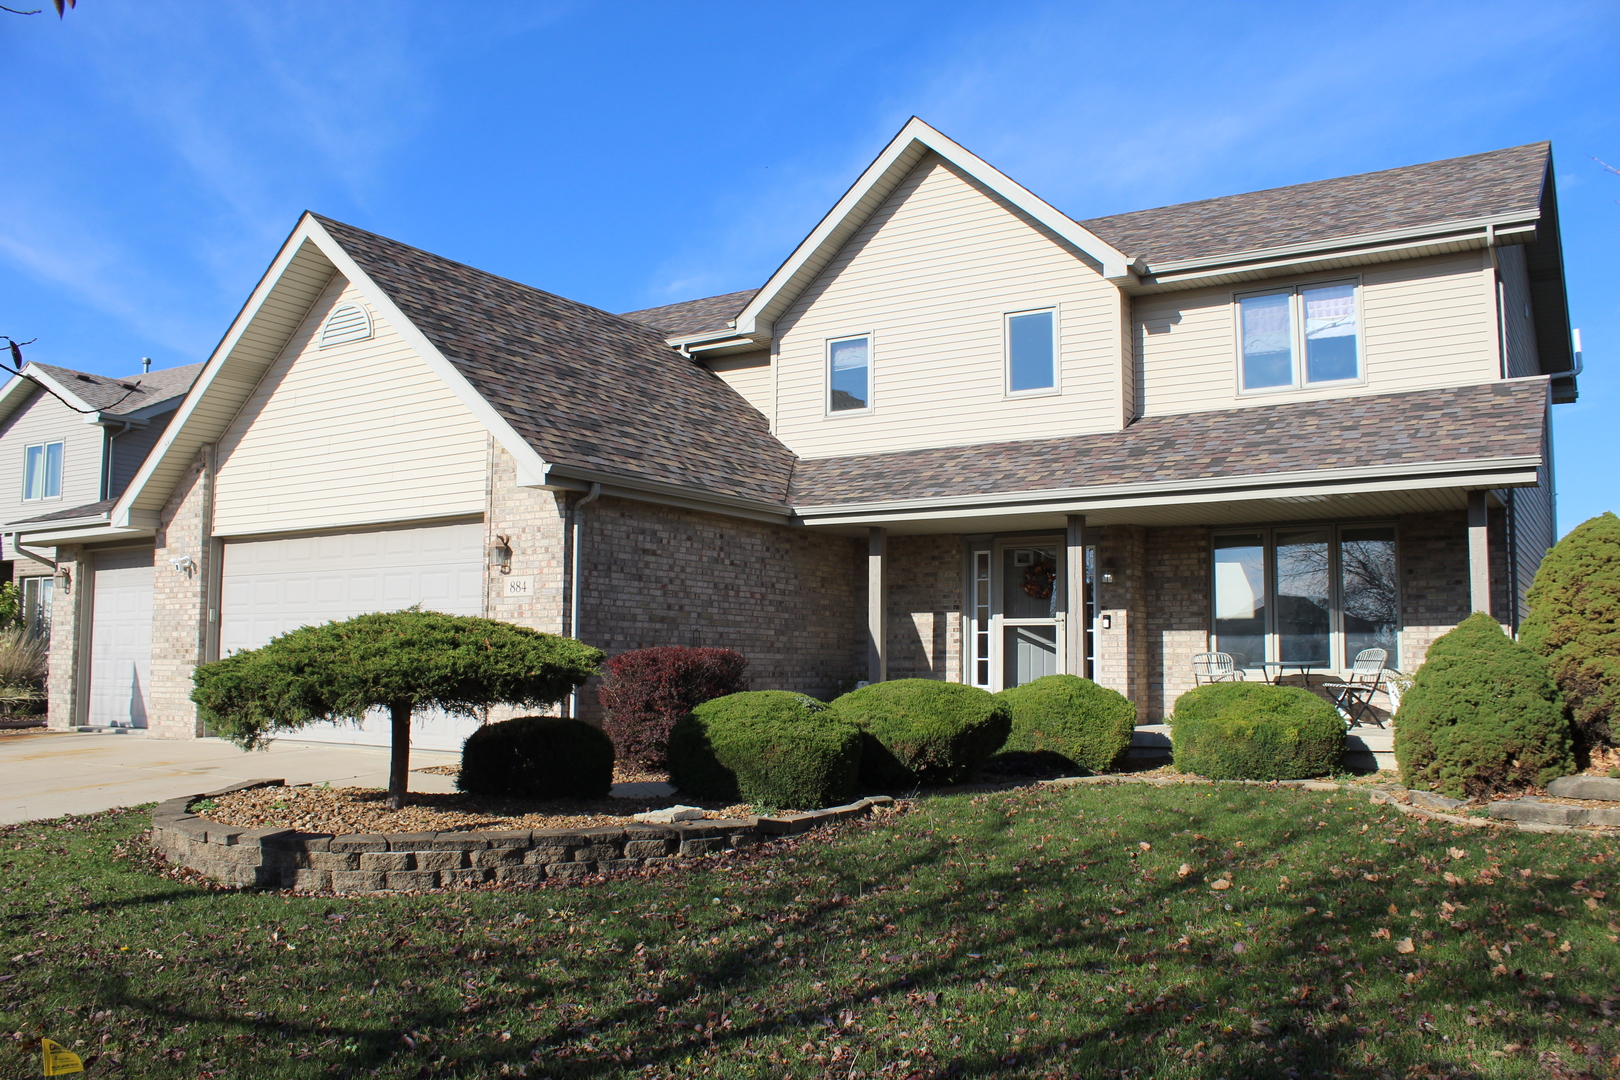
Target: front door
[[1018, 617]]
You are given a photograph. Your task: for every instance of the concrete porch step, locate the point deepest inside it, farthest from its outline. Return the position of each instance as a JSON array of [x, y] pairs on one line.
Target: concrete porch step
[[1365, 748]]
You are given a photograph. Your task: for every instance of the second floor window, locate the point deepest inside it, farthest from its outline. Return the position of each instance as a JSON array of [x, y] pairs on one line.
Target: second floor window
[[1031, 352], [42, 471], [1300, 336], [849, 374]]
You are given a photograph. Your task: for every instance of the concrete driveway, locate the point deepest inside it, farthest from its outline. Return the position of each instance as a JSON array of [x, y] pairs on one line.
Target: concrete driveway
[[48, 775]]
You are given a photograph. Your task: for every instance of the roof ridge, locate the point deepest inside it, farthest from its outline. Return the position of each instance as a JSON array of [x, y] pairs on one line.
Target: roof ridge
[[1322, 180]]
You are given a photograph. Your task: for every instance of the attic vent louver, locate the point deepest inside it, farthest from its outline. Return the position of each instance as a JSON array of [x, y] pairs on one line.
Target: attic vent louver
[[349, 322]]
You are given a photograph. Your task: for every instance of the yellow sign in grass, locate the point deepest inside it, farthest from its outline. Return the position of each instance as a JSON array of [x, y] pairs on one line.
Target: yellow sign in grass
[[60, 1062]]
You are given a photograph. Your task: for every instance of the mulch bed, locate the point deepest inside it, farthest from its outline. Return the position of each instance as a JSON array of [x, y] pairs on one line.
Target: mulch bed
[[365, 810]]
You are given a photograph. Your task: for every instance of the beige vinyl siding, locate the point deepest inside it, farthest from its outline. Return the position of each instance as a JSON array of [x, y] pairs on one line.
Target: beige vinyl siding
[[931, 276], [356, 434], [44, 419], [1518, 325], [1424, 323], [750, 375]]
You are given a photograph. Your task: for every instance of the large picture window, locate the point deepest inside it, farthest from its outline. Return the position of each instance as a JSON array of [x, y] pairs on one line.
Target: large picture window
[[1299, 336], [42, 471], [849, 374], [1308, 594]]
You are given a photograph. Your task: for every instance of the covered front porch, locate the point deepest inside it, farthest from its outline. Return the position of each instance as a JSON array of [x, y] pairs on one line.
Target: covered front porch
[[1127, 594]]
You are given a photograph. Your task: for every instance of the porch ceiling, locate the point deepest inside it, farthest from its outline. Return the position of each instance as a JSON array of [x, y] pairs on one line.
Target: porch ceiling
[[1388, 503]]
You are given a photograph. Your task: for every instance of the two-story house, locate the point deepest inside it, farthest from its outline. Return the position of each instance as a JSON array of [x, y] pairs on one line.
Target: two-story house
[[69, 443], [957, 435]]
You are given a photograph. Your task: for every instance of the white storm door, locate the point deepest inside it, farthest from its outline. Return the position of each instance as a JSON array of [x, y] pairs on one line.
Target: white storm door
[[1028, 626], [120, 639], [269, 587]]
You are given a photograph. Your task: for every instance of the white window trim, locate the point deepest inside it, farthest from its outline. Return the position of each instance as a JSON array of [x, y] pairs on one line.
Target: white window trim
[[1296, 322], [1006, 355], [63, 466], [827, 372]]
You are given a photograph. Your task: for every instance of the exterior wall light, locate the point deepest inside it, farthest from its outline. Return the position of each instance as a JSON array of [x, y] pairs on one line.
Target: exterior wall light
[[184, 564], [500, 555], [1107, 576]]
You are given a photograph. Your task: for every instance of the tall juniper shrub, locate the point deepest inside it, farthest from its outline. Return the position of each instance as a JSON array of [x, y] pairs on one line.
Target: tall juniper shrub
[[1574, 622], [1482, 716], [646, 691]]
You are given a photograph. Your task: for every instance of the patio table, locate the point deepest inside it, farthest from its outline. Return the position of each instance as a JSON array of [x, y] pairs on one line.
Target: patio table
[[1304, 667]]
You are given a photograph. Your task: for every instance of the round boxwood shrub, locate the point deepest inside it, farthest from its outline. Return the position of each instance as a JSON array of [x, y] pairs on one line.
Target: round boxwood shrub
[[1252, 731], [1574, 622], [1087, 725], [768, 747], [537, 757], [1482, 716], [922, 731]]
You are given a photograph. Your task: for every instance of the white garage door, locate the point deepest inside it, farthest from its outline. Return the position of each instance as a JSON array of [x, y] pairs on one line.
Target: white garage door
[[272, 586], [121, 639]]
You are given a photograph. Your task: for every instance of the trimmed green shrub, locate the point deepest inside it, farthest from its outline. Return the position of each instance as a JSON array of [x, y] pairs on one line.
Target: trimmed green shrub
[[1574, 622], [768, 747], [537, 757], [1482, 716], [922, 731], [403, 661], [1252, 731], [1087, 725]]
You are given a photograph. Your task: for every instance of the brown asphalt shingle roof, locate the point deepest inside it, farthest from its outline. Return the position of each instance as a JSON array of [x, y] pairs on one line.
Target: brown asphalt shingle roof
[[710, 314], [1479, 185], [95, 509], [583, 386], [1450, 425], [129, 394]]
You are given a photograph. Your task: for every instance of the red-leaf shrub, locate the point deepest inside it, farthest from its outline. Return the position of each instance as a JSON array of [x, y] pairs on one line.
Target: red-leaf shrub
[[645, 691]]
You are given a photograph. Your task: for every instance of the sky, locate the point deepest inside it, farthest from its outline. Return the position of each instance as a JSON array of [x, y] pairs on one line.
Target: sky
[[627, 155]]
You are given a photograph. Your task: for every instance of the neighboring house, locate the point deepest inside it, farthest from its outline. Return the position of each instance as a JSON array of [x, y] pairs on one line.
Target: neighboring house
[[69, 443], [957, 435]]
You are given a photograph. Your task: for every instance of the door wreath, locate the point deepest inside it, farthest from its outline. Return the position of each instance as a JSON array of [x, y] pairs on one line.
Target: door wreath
[[1038, 580]]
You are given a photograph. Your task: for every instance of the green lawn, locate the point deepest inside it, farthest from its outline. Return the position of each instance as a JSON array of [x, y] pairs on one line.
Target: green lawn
[[1024, 933]]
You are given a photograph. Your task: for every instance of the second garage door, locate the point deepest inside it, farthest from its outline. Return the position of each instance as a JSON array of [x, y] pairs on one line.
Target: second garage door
[[272, 586]]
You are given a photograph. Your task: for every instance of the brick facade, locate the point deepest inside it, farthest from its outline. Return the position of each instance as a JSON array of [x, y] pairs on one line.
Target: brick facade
[[788, 599], [180, 605], [70, 619], [925, 588], [1178, 611]]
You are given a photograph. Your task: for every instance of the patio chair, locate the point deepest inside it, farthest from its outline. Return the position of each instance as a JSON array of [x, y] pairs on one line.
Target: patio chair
[[1214, 667], [1353, 697]]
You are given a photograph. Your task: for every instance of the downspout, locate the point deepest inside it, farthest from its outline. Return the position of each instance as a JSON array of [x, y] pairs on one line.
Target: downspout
[[107, 454], [576, 534]]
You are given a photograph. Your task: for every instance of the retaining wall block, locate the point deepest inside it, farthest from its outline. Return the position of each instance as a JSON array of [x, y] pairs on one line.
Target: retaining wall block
[[596, 852], [521, 875], [569, 869], [359, 842], [412, 879], [493, 857], [621, 864], [441, 860], [643, 849], [334, 860], [703, 844], [461, 878], [510, 838], [309, 880], [415, 841], [542, 856], [386, 861]]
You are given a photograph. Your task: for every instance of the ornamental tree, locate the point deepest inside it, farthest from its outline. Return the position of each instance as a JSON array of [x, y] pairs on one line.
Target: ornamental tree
[[403, 661], [1574, 621]]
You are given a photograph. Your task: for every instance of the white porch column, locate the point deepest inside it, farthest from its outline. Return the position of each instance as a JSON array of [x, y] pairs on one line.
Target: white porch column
[[1075, 591], [1479, 553], [877, 623]]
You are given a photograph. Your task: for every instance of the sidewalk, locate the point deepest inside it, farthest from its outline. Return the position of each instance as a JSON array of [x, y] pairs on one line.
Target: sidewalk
[[48, 775]]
